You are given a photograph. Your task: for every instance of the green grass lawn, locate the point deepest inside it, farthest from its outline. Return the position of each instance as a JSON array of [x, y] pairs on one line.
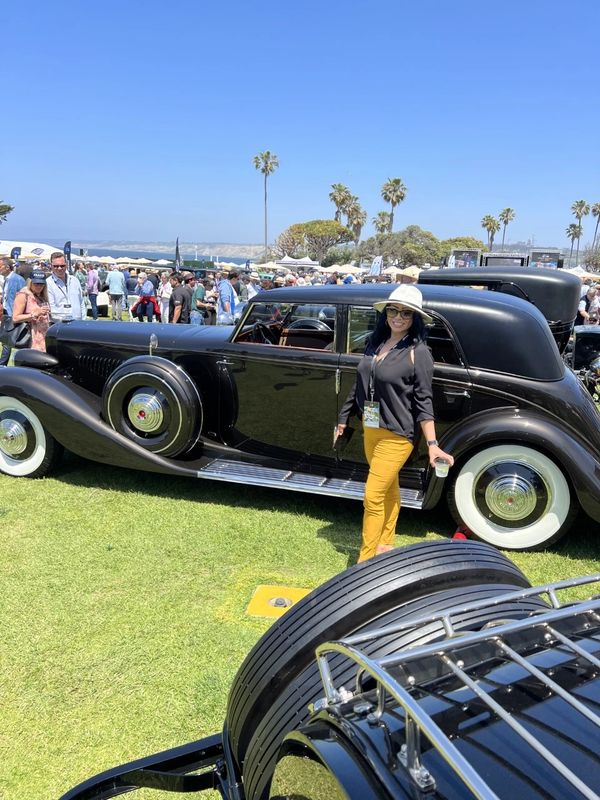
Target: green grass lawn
[[122, 621]]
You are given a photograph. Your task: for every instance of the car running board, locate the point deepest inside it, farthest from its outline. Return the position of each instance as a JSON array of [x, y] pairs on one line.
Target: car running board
[[222, 469]]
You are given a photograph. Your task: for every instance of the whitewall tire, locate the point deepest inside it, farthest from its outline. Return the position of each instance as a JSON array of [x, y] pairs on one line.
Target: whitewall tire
[[513, 497], [26, 448]]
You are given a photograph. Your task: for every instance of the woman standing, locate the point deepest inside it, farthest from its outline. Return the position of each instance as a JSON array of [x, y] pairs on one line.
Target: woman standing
[[164, 295], [393, 395], [31, 305]]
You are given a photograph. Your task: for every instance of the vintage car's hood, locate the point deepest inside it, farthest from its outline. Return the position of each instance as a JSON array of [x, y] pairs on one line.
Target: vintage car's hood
[[137, 335]]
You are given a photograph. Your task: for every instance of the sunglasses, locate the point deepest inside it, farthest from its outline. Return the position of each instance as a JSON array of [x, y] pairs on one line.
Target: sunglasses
[[59, 266], [405, 313]]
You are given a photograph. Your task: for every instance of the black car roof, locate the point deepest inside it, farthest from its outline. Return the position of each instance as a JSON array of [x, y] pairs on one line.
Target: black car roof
[[554, 292], [496, 331]]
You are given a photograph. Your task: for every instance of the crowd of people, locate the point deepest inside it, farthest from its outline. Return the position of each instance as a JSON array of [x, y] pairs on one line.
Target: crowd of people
[[40, 294]]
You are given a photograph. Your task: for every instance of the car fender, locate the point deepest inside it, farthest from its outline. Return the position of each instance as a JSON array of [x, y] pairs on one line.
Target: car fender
[[72, 415], [580, 463]]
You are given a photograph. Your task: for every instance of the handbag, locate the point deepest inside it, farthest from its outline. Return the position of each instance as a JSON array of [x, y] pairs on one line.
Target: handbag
[[17, 335]]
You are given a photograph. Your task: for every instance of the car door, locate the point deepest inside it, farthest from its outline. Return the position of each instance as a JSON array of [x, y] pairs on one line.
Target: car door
[[284, 390], [451, 384]]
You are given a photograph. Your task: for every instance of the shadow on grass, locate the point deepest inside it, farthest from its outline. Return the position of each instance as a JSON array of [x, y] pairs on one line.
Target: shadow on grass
[[343, 518]]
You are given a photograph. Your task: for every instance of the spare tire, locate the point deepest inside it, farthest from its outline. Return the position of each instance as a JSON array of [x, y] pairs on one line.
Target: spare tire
[[154, 403], [290, 709], [282, 662]]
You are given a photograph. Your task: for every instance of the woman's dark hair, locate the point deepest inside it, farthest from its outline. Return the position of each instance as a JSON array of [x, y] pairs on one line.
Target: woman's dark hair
[[417, 332]]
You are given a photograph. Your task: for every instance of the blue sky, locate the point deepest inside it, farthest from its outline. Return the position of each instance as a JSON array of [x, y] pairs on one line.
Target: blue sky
[[138, 120]]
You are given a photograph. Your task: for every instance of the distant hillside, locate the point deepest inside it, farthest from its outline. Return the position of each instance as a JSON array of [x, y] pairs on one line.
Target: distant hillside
[[188, 249]]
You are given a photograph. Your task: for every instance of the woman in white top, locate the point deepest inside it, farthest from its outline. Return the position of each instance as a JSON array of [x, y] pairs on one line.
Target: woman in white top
[[164, 295]]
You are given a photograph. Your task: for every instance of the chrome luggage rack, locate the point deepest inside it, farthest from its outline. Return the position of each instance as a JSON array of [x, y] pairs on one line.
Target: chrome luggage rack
[[455, 656]]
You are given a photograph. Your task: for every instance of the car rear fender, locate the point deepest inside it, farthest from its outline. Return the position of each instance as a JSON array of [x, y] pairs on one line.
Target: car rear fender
[[580, 462], [72, 415]]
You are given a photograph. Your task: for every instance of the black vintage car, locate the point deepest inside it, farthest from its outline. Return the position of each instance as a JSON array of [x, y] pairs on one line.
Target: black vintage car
[[439, 673], [258, 404]]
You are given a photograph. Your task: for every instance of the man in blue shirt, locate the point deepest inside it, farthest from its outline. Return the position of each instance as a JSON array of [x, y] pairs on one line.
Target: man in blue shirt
[[116, 291], [227, 299], [13, 283]]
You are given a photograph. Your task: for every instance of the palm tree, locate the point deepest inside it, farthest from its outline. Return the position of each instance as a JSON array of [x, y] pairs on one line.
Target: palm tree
[[505, 216], [339, 196], [596, 213], [357, 217], [393, 192], [492, 226], [573, 232], [580, 209], [382, 222], [267, 162]]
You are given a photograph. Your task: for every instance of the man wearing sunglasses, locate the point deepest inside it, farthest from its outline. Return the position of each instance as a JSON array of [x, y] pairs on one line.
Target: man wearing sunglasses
[[64, 291]]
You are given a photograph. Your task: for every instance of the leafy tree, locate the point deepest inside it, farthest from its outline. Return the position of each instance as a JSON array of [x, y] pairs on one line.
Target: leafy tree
[[319, 235], [382, 222], [591, 258], [393, 192], [288, 244], [492, 226], [462, 243], [413, 245], [339, 196], [580, 209], [357, 217], [5, 210], [505, 216], [338, 255], [573, 232], [595, 213], [267, 163]]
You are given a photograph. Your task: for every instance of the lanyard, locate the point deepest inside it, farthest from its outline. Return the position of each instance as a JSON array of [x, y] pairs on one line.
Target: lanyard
[[64, 291]]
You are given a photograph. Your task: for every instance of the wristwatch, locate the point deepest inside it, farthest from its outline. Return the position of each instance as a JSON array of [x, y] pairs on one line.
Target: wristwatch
[[432, 442]]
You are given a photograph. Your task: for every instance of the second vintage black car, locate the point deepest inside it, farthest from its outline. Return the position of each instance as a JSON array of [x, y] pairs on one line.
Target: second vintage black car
[[257, 404]]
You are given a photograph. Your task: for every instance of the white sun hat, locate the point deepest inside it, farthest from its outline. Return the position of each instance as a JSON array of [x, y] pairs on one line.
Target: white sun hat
[[406, 295]]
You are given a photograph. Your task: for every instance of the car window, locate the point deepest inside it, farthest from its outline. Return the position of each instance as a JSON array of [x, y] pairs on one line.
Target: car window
[[362, 321], [309, 326], [441, 343]]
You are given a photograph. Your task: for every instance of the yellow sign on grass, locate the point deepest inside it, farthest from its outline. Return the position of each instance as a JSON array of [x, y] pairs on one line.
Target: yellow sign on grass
[[273, 601]]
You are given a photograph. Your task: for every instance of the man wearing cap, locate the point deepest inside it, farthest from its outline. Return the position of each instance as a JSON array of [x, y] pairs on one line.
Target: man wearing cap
[[393, 395], [64, 291], [409, 275]]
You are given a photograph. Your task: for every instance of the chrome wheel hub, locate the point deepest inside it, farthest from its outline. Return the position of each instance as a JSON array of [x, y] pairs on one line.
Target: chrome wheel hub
[[511, 497], [13, 437], [145, 412]]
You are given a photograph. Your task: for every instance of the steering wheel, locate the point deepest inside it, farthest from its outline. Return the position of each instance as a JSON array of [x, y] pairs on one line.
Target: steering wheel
[[309, 323], [261, 334]]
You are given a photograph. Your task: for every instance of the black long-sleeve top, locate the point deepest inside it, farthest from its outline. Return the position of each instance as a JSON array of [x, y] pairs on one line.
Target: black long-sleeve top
[[402, 389]]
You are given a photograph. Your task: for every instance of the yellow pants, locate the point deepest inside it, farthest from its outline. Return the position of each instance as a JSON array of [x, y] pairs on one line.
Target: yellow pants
[[386, 453]]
